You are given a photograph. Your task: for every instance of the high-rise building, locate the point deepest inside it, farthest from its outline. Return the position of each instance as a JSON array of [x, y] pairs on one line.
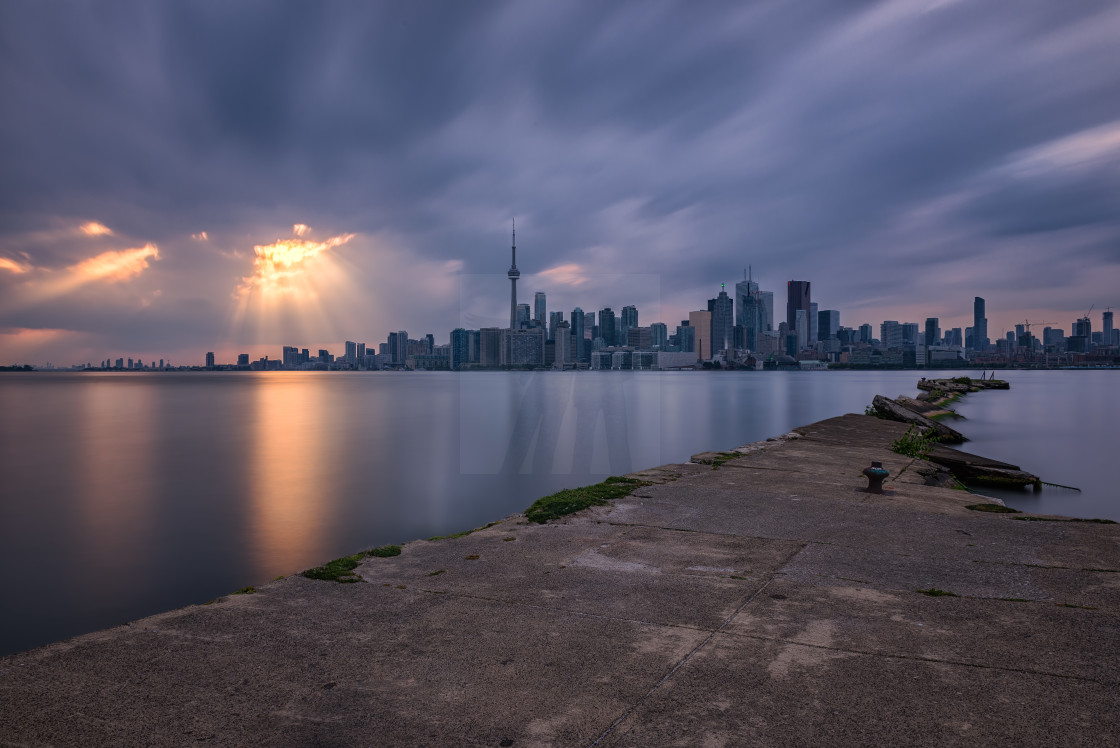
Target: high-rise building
[[828, 324], [723, 322], [242, 360], [523, 347], [563, 345], [933, 331], [686, 337], [580, 350], [955, 337], [629, 318], [909, 333], [639, 337], [209, 360], [351, 351], [490, 346], [797, 297], [890, 334], [539, 308], [701, 322], [522, 317], [606, 326], [800, 331], [659, 334], [398, 347], [513, 274], [1106, 327], [814, 321], [979, 325], [554, 319], [865, 334], [460, 347]]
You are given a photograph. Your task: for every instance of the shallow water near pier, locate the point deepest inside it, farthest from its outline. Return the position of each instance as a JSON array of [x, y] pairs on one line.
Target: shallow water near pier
[[122, 495]]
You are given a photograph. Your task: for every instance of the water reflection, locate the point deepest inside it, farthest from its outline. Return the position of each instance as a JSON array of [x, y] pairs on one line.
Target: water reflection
[[114, 486], [291, 490]]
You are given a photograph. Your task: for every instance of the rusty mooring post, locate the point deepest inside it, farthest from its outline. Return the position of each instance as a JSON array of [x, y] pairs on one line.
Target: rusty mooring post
[[876, 474]]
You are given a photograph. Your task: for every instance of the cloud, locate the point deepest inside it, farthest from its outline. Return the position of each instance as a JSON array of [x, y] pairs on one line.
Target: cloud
[[93, 228], [893, 153], [278, 267], [114, 266]]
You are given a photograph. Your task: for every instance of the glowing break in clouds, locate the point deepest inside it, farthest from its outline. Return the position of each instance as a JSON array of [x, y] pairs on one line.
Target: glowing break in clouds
[[114, 266], [93, 228], [278, 266], [200, 237]]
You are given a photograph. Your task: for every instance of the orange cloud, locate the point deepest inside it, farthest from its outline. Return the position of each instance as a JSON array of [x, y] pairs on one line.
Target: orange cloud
[[200, 236], [13, 266], [276, 266], [93, 228], [565, 275], [114, 265], [300, 229]]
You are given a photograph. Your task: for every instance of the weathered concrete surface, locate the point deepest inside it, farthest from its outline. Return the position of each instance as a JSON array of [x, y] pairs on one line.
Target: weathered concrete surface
[[766, 602]]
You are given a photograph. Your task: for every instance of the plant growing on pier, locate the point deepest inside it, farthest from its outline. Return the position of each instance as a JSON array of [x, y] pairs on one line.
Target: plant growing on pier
[[914, 443], [572, 500]]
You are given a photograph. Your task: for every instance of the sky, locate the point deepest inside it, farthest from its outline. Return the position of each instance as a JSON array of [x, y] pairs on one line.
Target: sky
[[177, 178]]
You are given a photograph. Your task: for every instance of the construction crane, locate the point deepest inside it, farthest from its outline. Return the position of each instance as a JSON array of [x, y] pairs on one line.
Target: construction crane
[[1027, 324]]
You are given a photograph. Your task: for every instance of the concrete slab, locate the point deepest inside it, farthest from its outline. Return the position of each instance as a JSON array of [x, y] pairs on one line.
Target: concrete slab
[[742, 691], [1036, 636], [643, 574], [315, 663]]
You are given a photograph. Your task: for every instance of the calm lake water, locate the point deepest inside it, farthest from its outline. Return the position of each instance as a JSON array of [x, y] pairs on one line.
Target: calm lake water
[[122, 495]]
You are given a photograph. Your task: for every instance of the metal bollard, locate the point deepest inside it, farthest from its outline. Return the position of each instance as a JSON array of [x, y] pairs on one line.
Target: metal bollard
[[876, 474]]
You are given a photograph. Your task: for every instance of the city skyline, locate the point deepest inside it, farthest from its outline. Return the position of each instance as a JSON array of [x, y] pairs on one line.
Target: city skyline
[[161, 204]]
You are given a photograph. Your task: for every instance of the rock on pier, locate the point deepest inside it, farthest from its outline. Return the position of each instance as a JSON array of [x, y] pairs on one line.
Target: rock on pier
[[760, 599]]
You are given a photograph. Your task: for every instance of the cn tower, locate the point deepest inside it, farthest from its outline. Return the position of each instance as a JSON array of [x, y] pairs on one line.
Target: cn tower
[[513, 275]]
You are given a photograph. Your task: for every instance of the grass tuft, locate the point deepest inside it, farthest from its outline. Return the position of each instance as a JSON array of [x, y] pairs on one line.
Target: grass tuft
[[572, 500], [341, 570], [993, 508], [914, 443], [246, 590], [934, 592]]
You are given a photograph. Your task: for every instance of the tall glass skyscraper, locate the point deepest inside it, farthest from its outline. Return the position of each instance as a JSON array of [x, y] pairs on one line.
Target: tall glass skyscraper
[[979, 325]]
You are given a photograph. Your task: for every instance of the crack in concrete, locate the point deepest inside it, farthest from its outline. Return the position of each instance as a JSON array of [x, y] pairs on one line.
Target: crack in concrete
[[694, 651]]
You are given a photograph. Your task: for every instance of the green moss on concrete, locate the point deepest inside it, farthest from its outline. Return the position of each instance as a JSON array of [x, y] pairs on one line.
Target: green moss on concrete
[[341, 570], [572, 500], [934, 592], [993, 508], [246, 590]]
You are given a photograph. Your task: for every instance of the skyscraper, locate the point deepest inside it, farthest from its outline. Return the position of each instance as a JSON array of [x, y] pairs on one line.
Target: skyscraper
[[933, 331], [701, 322], [210, 360], [513, 275], [979, 325], [797, 297], [749, 312], [814, 321], [828, 324], [723, 322], [1106, 326], [539, 308], [580, 351], [606, 326], [629, 319]]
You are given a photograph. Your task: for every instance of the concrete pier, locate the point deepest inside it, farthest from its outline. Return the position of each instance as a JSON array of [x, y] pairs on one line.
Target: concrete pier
[[761, 599]]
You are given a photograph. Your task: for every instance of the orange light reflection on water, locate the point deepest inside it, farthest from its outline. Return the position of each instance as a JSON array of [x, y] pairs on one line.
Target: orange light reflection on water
[[291, 490]]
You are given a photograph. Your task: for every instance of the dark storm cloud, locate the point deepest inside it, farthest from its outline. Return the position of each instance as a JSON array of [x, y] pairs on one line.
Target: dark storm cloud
[[818, 140]]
